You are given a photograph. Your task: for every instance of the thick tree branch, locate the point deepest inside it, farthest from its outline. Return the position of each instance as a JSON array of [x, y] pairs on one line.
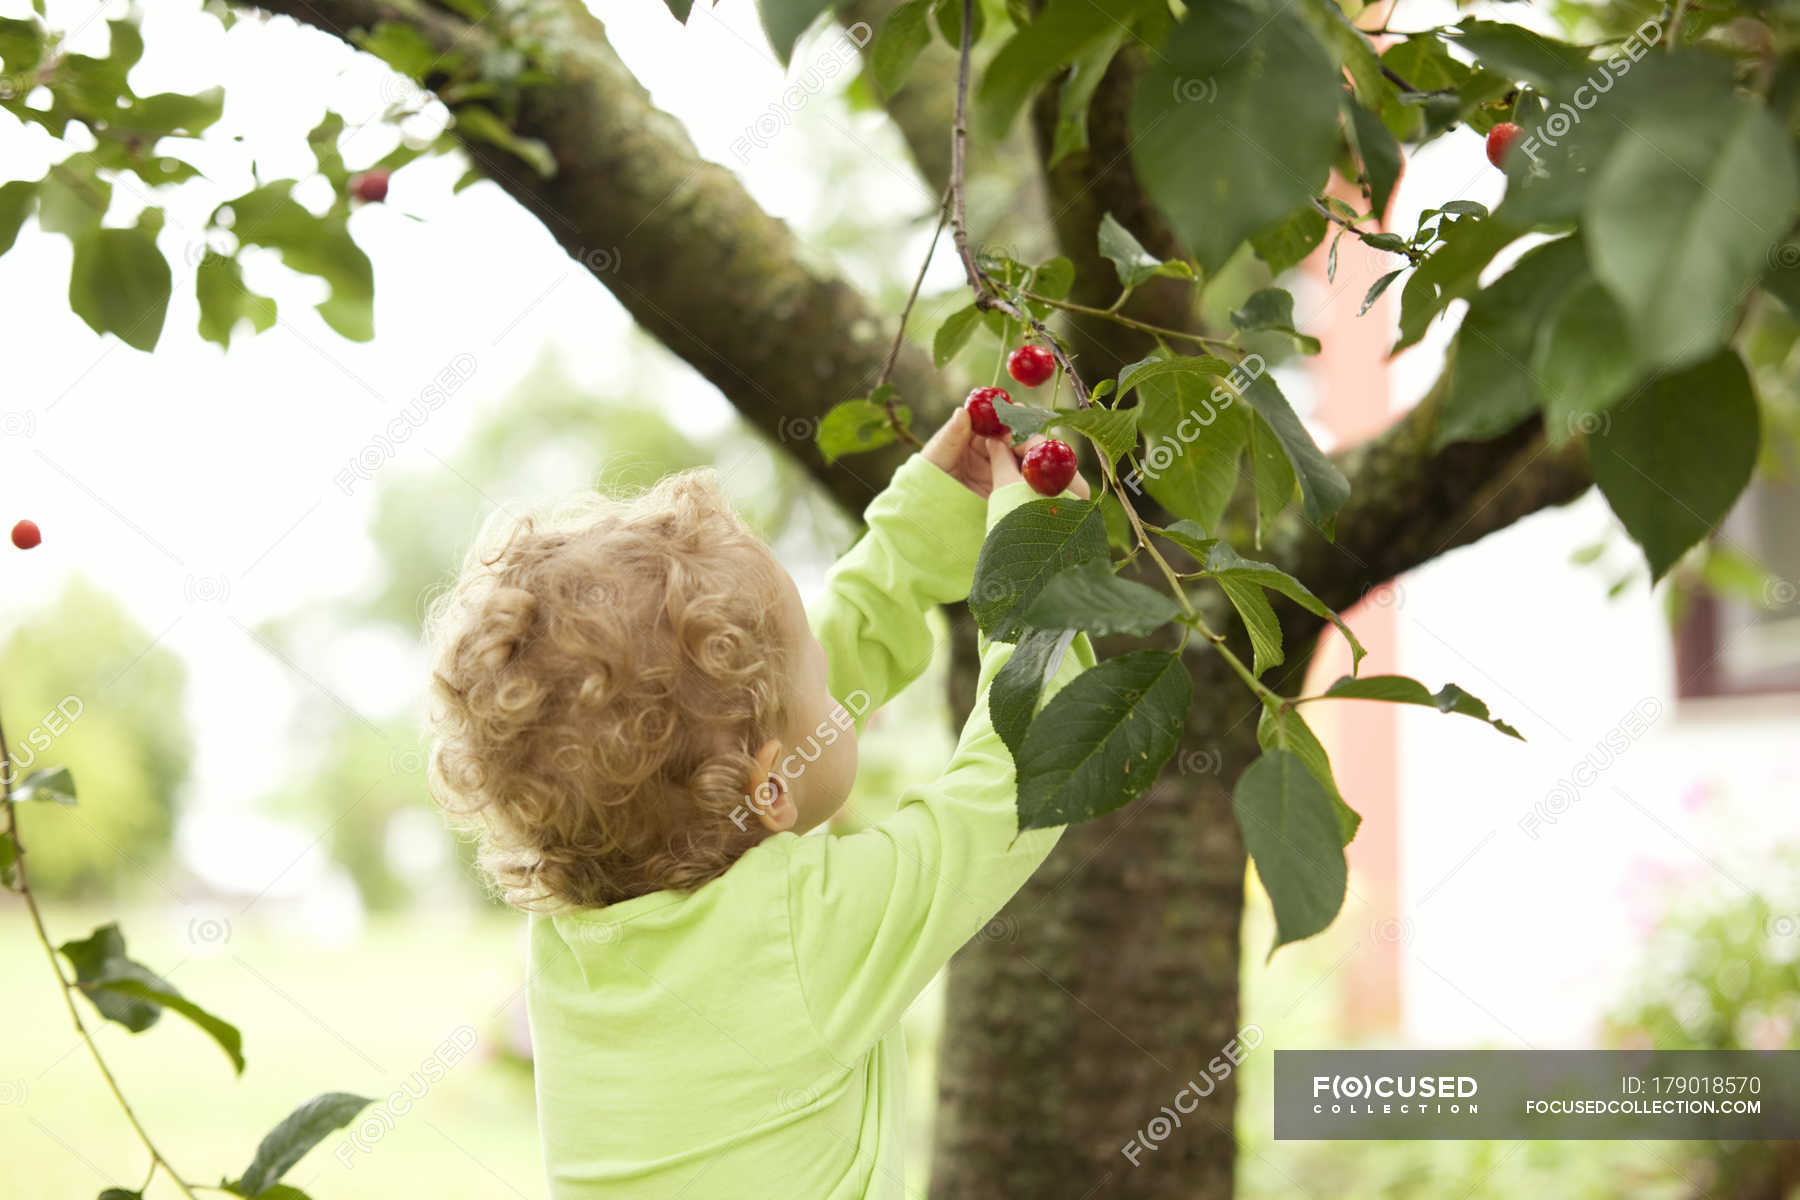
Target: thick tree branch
[[675, 238]]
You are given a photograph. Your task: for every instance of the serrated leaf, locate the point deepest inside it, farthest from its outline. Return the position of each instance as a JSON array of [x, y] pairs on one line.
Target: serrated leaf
[[1376, 288], [119, 283], [1681, 214], [1380, 156], [1291, 830], [1224, 562], [100, 958], [1260, 621], [1071, 136], [1101, 740], [1401, 689], [1451, 273], [954, 334], [1134, 264], [1023, 420], [854, 426], [1491, 386], [1286, 730], [1194, 432], [1674, 461], [1273, 309], [1159, 365], [1013, 696], [1091, 598], [1190, 536], [221, 1031], [903, 35], [1323, 488], [52, 784], [1025, 548], [1112, 430], [1233, 124], [298, 1132]]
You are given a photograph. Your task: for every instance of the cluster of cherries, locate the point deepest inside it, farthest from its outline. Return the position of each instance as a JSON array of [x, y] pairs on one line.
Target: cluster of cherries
[[1047, 466]]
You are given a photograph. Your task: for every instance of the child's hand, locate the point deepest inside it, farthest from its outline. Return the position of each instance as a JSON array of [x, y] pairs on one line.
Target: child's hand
[[955, 450]]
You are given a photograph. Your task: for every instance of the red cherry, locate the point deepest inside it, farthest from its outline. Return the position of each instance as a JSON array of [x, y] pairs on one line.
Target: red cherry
[[25, 535], [1031, 365], [981, 404], [1499, 140], [370, 187], [1048, 467]]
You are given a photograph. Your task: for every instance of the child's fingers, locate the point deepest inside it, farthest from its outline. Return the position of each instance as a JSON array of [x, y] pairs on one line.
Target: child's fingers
[[1001, 461], [946, 448]]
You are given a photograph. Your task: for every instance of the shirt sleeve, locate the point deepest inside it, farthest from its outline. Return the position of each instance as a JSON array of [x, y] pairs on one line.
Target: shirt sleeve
[[875, 914], [924, 535]]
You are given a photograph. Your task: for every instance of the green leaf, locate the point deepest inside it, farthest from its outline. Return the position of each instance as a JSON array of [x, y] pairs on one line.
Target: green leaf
[[1697, 186], [119, 283], [299, 1132], [1259, 618], [1025, 548], [1112, 430], [1285, 730], [1234, 124], [1190, 536], [9, 857], [1376, 288], [1013, 696], [100, 958], [479, 123], [1380, 155], [73, 197], [1223, 561], [1323, 488], [120, 1194], [1091, 598], [53, 784], [1101, 740], [1071, 136], [1023, 420], [1058, 34], [1517, 53], [1285, 243], [1271, 473], [948, 15], [1273, 309], [1053, 278], [172, 113], [954, 334], [855, 426], [1348, 45], [1451, 273], [321, 246], [1134, 264], [1584, 360], [1674, 460], [225, 300], [1159, 365], [1291, 830], [905, 32], [1400, 689], [1492, 386], [785, 20], [16, 201], [1194, 434], [223, 1032], [405, 49]]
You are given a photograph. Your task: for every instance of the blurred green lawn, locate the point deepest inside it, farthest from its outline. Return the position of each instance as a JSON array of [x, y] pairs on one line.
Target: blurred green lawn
[[314, 1019]]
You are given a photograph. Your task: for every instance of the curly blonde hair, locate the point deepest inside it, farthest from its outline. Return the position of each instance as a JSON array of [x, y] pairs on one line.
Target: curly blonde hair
[[600, 675]]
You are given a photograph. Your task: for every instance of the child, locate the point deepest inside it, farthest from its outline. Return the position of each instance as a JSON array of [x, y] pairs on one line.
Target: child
[[635, 713]]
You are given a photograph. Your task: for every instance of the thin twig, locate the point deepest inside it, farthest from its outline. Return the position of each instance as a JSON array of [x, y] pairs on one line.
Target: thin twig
[[65, 987], [1118, 318]]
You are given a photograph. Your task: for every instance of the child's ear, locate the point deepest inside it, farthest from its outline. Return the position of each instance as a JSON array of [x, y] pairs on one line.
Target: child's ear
[[771, 795]]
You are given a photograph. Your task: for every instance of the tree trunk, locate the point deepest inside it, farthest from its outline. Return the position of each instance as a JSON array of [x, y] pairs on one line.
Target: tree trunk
[[1103, 989]]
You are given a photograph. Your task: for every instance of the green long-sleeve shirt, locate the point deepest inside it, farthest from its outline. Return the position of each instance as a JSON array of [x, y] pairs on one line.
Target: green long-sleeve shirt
[[741, 1040]]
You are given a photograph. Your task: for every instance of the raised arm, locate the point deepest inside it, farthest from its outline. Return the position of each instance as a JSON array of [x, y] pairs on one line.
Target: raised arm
[[924, 534], [875, 914]]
